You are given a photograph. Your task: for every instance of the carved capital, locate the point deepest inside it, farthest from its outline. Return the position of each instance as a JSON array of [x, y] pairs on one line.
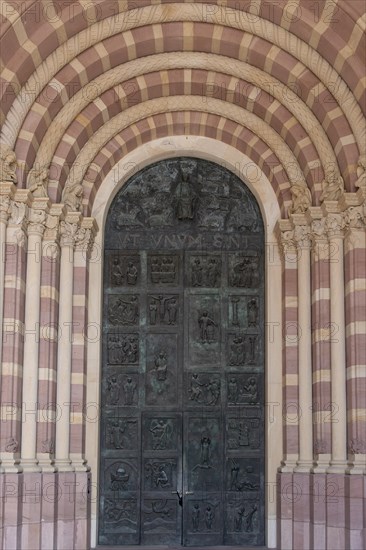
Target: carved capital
[[335, 225], [86, 234], [19, 207], [37, 216], [54, 218], [355, 217], [319, 229], [68, 233], [302, 236], [8, 164], [7, 191]]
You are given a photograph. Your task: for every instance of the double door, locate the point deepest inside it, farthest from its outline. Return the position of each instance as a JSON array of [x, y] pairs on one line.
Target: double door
[[182, 436]]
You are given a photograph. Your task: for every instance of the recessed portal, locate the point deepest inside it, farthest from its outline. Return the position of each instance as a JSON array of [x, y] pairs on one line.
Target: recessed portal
[[182, 438]]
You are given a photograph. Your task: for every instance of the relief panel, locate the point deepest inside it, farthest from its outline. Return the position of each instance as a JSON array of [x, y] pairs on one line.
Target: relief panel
[[243, 389], [163, 309], [120, 389], [123, 349], [124, 270], [204, 329], [204, 271], [163, 270], [161, 369], [121, 433], [203, 448], [203, 388], [244, 312], [244, 271], [161, 433], [120, 476]]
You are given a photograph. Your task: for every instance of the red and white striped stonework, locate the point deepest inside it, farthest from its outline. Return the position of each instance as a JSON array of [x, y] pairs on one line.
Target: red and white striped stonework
[[90, 93]]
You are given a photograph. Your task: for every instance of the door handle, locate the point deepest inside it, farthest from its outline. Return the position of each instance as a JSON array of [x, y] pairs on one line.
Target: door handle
[[189, 493]]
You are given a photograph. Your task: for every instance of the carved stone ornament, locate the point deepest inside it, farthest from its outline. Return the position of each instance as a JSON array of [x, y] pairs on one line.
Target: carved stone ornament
[[48, 446], [335, 224], [8, 164], [357, 446], [37, 220], [18, 212], [68, 233], [355, 217], [72, 197], [333, 187], [38, 182], [361, 172], [302, 235], [5, 209], [12, 445], [320, 446], [287, 241], [301, 199], [319, 229]]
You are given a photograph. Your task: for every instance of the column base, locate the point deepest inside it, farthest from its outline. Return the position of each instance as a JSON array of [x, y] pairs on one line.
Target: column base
[[64, 465], [321, 465], [304, 467], [47, 465], [337, 467], [30, 465]]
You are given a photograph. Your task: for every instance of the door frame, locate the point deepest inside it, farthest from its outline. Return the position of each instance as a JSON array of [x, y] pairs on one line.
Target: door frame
[[252, 176]]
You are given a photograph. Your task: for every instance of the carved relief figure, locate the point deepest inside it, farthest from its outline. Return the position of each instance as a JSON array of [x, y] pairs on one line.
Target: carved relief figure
[[209, 517], [252, 312], [185, 199], [38, 182], [161, 366], [333, 186], [251, 390], [252, 345], [207, 328], [8, 164], [120, 433], [129, 388], [361, 172], [117, 510], [233, 390], [237, 351], [131, 273], [301, 199], [113, 389], [116, 272], [161, 430], [72, 197]]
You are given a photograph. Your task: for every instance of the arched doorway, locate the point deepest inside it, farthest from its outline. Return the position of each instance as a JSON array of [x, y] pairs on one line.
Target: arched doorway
[[182, 437]]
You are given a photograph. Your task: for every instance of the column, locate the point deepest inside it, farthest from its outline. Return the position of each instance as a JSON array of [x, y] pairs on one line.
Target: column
[[290, 348], [321, 336], [69, 228], [50, 280], [36, 227], [83, 246], [302, 238], [13, 332], [355, 319], [6, 194], [337, 346]]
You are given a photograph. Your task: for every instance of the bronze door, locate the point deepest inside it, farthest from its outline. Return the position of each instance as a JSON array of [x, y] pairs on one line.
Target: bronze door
[[182, 431]]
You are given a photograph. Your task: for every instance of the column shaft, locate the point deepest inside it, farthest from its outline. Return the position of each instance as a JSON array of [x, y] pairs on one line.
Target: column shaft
[[338, 356]]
